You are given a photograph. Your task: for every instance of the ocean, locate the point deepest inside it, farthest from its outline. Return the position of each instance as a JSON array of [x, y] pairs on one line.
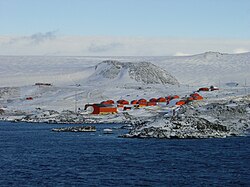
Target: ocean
[[32, 155]]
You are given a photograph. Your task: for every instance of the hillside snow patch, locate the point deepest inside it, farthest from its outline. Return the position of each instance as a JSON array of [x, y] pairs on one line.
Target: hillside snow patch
[[127, 72]]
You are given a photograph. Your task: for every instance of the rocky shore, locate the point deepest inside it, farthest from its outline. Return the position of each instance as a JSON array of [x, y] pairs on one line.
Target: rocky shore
[[211, 119], [214, 120]]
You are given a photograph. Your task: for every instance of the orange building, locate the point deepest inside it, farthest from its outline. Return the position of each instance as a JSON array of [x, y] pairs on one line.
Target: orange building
[[100, 109], [134, 102], [181, 102], [153, 100], [110, 101], [169, 98], [175, 97], [196, 96], [105, 103], [203, 89], [161, 100], [123, 102], [142, 102], [190, 99], [151, 103]]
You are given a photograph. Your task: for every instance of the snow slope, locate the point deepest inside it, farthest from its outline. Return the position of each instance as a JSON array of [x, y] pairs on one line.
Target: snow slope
[[209, 67], [81, 80], [128, 72]]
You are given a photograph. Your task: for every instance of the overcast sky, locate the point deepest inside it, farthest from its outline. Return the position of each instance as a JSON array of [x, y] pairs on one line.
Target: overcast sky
[[123, 27]]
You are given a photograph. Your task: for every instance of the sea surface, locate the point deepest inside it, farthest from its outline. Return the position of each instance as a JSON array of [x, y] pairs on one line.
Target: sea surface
[[32, 155]]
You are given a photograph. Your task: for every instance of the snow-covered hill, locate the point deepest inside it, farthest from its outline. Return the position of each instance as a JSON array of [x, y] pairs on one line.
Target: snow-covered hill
[[128, 72], [93, 79], [207, 68]]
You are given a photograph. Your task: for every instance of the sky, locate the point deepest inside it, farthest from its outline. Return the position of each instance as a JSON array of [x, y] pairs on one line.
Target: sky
[[123, 27]]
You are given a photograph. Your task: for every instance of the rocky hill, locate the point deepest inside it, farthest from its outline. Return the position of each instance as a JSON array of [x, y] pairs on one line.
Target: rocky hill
[[141, 72]]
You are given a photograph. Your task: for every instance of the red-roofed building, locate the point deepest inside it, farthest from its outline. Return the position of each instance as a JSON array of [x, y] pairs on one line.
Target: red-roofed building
[[161, 100], [100, 109]]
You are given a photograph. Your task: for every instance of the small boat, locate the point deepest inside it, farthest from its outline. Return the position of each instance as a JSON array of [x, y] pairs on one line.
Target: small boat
[[76, 129], [108, 131]]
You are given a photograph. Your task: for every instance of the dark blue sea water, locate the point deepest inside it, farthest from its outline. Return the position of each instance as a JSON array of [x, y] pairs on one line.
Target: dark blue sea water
[[33, 155]]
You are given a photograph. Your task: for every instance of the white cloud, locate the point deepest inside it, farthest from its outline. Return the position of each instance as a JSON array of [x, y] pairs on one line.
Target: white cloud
[[41, 37], [36, 38], [51, 44]]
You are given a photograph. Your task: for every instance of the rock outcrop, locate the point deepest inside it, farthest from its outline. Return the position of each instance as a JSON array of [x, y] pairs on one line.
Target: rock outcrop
[[142, 72], [212, 120]]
